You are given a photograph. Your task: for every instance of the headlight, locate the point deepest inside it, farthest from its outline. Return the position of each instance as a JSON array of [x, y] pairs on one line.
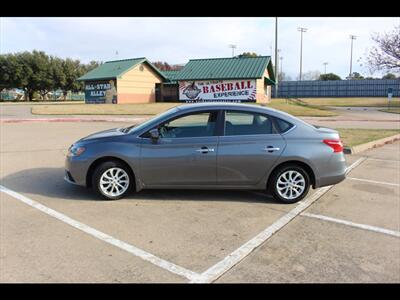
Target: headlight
[[75, 151]]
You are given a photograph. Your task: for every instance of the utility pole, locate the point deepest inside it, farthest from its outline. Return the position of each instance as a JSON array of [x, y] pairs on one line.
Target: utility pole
[[233, 49], [325, 63], [281, 64], [352, 38], [276, 58], [301, 29]]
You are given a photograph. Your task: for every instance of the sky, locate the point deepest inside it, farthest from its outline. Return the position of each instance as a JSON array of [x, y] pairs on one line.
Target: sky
[[176, 40]]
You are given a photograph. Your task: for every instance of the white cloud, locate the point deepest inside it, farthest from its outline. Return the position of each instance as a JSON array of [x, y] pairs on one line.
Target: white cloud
[[176, 40]]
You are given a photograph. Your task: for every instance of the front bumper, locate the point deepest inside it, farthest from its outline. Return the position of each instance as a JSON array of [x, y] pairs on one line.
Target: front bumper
[[75, 170]]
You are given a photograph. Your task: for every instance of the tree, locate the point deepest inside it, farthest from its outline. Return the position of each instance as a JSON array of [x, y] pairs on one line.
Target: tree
[[356, 76], [248, 54], [162, 66], [72, 70], [386, 54], [8, 71], [389, 76], [329, 76]]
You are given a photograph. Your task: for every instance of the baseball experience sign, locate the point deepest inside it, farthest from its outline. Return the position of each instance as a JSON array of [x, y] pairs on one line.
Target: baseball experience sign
[[218, 90]]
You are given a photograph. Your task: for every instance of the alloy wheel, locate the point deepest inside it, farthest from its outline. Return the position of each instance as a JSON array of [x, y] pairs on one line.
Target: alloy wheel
[[114, 182], [290, 185]]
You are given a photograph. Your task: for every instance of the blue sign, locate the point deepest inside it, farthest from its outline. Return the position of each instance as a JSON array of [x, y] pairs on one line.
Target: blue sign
[[104, 91]]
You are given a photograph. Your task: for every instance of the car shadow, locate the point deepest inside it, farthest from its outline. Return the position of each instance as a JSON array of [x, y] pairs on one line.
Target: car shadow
[[49, 182]]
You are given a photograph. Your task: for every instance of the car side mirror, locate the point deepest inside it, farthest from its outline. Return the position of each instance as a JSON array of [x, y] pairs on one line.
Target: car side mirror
[[154, 135]]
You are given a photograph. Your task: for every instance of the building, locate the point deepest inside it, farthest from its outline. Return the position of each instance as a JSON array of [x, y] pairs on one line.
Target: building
[[122, 81], [246, 79]]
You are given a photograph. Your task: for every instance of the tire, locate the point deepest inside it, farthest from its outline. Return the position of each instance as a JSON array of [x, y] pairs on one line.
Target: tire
[[292, 187], [118, 188]]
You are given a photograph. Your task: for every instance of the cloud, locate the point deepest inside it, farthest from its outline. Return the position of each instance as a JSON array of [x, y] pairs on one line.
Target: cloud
[[176, 40]]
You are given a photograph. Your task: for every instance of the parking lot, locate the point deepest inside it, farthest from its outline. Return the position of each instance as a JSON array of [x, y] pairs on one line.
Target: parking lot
[[54, 232]]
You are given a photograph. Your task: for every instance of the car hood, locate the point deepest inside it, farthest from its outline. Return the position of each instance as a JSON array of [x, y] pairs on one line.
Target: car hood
[[103, 134]]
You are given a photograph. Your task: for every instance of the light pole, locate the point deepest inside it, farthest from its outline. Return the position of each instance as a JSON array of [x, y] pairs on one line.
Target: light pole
[[325, 63], [276, 58], [352, 38], [233, 49], [301, 29], [281, 58]]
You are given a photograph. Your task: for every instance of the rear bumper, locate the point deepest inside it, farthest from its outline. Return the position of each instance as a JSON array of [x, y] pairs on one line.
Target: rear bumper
[[333, 172]]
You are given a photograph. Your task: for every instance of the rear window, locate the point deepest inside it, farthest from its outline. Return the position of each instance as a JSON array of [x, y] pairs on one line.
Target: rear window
[[283, 126]]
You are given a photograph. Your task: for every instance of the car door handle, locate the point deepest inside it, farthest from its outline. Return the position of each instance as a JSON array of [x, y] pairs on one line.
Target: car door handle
[[271, 149], [205, 150]]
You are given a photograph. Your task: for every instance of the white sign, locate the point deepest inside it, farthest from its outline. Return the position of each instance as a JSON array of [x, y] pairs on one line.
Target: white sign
[[218, 90]]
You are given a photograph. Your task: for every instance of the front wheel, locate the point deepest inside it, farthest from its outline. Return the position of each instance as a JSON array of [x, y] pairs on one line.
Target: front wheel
[[112, 180], [289, 184]]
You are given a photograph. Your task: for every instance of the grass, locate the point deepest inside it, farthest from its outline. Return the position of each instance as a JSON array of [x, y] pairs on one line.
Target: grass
[[366, 101], [391, 110], [155, 108], [353, 137]]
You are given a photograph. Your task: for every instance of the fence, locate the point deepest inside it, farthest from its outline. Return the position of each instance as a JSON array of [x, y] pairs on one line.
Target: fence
[[338, 88], [10, 95]]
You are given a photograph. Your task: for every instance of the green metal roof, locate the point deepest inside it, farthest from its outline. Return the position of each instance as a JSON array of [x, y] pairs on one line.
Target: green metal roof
[[171, 75], [116, 68], [226, 68]]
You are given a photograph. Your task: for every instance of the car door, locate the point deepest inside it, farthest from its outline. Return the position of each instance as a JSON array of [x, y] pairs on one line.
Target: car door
[[185, 153], [248, 149]]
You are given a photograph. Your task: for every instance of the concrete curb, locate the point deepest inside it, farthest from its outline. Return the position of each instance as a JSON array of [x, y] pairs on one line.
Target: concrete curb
[[127, 120], [373, 144]]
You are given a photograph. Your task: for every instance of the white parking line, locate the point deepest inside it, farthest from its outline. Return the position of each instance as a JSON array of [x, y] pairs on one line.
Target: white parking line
[[104, 237], [239, 254], [352, 224], [213, 272], [373, 181], [380, 159]]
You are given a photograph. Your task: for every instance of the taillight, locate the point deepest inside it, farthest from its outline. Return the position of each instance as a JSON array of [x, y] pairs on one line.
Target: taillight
[[336, 145]]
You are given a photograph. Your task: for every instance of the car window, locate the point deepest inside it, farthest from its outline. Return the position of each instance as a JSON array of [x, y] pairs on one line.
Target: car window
[[193, 125], [283, 125], [247, 123]]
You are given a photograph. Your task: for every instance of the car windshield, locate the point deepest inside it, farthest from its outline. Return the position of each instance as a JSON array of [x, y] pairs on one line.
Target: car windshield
[[154, 120]]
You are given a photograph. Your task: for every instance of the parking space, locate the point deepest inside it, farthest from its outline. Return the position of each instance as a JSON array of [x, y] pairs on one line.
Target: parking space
[[183, 234]]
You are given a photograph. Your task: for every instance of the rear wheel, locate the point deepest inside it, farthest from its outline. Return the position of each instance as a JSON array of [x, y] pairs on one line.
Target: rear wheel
[[289, 184], [112, 180]]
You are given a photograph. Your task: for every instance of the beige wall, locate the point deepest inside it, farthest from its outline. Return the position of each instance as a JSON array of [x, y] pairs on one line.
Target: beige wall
[[136, 86], [263, 90]]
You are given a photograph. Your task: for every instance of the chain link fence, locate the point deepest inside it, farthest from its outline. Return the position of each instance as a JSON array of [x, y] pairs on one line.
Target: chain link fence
[[338, 88]]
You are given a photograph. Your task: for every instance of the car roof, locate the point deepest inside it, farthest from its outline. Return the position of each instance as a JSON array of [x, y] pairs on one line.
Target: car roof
[[231, 105]]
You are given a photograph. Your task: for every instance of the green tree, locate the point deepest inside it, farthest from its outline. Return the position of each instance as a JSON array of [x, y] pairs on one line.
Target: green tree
[[389, 76], [248, 54], [329, 76], [8, 68], [71, 69], [356, 76]]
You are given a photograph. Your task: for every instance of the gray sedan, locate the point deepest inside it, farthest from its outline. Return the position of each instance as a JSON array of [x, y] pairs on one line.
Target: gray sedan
[[210, 146]]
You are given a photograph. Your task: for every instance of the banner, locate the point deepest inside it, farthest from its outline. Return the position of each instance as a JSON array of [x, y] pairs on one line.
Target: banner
[[218, 90], [100, 92]]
